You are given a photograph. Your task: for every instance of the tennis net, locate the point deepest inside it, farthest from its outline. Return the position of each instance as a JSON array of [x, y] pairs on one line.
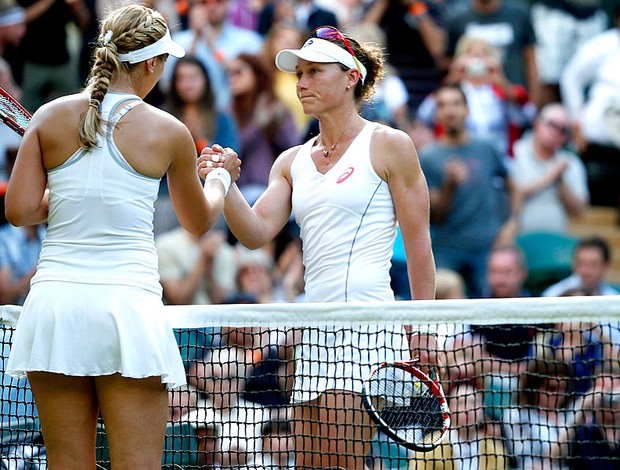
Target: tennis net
[[531, 383]]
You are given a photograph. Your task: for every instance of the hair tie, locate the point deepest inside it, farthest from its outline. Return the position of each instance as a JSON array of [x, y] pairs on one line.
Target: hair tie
[[93, 104], [107, 37]]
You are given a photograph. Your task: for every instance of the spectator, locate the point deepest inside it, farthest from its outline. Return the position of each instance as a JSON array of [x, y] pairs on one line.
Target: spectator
[[561, 27], [214, 40], [191, 98], [416, 40], [590, 86], [48, 68], [551, 179], [472, 441], [255, 276], [591, 261], [266, 126], [499, 352], [285, 36], [577, 344], [305, 14], [462, 173], [12, 30], [19, 253], [278, 444], [195, 270], [507, 26], [497, 108], [541, 412], [390, 103], [591, 440]]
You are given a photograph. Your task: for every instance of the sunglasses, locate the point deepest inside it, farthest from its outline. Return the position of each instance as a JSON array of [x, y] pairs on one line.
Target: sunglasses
[[330, 33], [560, 128]]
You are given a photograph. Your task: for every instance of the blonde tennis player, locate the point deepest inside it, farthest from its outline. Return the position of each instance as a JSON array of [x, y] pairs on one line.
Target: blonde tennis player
[[348, 188], [92, 337]]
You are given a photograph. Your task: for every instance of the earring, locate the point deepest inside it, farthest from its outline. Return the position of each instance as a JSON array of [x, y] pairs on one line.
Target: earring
[[348, 87]]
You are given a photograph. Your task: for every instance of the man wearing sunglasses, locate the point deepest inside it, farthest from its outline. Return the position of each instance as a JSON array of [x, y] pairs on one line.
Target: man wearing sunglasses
[[348, 188], [551, 179]]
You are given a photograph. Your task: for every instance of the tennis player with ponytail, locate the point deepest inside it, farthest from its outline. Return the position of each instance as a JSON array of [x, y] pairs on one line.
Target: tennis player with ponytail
[[347, 187], [91, 337]]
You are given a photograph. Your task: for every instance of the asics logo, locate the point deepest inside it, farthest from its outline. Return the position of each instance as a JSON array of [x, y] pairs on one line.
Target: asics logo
[[348, 172]]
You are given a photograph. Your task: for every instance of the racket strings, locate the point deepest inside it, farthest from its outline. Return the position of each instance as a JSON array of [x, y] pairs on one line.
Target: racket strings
[[406, 405], [11, 111]]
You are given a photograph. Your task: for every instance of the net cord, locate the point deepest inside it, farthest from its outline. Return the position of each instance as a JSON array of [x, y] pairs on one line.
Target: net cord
[[414, 312]]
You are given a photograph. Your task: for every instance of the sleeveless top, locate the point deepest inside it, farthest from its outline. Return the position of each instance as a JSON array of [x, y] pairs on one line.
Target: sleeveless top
[[348, 224], [100, 223]]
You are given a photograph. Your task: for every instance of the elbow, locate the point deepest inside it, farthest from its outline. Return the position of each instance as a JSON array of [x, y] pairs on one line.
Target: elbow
[[15, 218]]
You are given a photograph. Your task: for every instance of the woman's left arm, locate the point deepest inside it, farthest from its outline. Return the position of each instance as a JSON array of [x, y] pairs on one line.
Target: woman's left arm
[[396, 161]]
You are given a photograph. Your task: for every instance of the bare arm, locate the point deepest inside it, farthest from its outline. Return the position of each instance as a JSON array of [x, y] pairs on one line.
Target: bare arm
[[198, 209], [27, 201], [257, 225], [400, 167]]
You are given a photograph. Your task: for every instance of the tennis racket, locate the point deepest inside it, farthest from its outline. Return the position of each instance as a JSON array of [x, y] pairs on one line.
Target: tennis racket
[[407, 405], [12, 113]]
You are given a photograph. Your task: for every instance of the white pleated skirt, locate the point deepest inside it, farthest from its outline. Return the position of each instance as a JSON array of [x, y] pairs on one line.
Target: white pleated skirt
[[93, 330]]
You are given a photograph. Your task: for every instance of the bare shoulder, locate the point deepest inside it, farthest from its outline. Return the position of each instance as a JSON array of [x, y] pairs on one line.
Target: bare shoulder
[[157, 129], [391, 140], [391, 150], [282, 165], [61, 110]]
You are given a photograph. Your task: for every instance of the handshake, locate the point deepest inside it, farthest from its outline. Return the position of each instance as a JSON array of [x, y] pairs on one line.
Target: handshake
[[221, 164]]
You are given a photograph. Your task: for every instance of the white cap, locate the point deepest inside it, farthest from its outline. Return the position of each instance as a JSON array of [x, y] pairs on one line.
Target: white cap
[[165, 45], [318, 50]]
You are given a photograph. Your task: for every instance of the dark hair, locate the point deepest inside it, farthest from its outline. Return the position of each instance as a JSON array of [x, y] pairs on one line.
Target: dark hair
[[243, 106], [207, 101], [597, 243], [371, 56], [452, 86]]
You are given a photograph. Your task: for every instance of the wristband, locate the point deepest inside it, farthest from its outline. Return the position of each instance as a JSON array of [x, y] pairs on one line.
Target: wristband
[[221, 175]]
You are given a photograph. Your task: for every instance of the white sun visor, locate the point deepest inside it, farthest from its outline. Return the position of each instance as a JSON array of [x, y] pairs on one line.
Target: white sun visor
[[318, 50], [165, 45]]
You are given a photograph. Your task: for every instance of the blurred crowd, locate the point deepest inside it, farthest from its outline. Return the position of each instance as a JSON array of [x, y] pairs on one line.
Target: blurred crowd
[[514, 107]]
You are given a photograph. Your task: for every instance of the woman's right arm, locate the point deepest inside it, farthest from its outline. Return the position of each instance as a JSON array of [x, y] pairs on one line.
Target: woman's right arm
[[27, 201], [198, 208], [255, 226]]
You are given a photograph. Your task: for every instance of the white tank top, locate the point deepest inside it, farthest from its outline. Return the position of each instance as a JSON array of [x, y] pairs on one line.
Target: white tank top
[[100, 223], [347, 225]]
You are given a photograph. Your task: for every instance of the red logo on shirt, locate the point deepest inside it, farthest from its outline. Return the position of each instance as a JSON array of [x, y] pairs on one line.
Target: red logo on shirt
[[345, 175]]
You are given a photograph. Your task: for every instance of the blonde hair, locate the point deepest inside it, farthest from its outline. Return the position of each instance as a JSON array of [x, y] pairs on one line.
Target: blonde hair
[[465, 42], [447, 282], [124, 30]]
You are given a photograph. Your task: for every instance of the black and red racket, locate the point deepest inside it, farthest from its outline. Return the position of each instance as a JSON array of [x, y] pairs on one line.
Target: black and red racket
[[12, 113], [407, 404]]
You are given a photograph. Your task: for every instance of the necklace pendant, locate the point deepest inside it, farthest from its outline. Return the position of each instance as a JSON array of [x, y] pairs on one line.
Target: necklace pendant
[[327, 153]]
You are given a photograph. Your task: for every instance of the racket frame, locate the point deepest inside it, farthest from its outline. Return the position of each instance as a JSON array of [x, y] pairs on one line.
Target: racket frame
[[7, 119], [434, 387]]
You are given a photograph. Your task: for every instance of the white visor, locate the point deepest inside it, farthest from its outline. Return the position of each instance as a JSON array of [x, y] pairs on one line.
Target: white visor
[[165, 45], [318, 50]]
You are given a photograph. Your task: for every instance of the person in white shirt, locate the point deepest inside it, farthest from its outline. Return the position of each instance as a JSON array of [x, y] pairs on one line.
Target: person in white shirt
[[551, 179]]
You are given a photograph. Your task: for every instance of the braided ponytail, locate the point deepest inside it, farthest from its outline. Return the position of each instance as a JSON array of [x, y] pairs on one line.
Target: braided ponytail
[[124, 30]]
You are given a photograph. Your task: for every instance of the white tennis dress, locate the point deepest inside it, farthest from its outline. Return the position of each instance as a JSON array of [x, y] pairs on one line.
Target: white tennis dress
[[94, 306], [348, 226]]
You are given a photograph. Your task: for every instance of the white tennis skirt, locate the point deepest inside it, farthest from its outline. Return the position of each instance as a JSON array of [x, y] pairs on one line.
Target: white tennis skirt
[[92, 330], [341, 358]]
